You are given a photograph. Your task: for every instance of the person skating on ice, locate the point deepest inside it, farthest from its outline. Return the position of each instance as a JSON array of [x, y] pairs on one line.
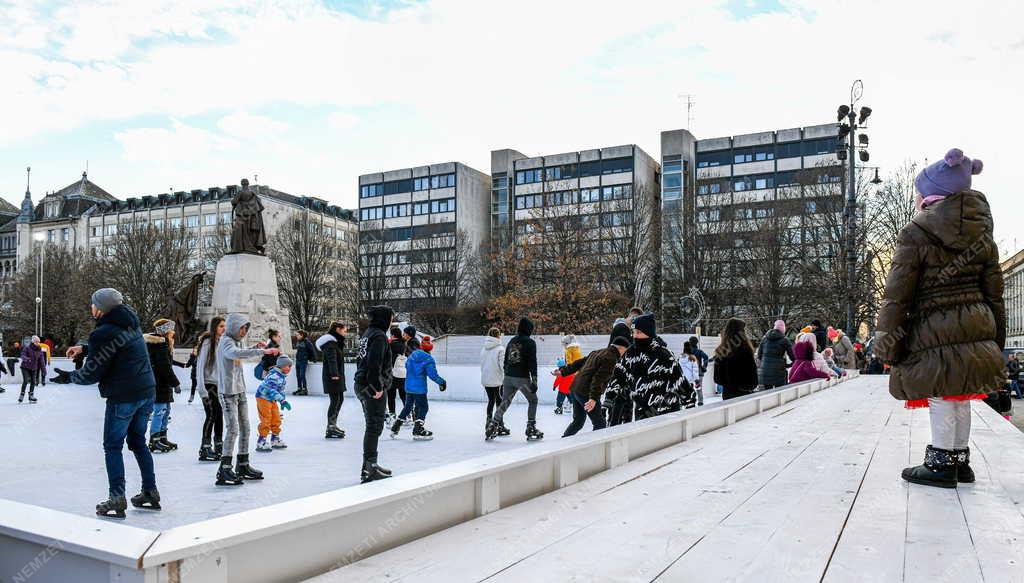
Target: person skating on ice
[[269, 395], [160, 345], [589, 376], [206, 382], [492, 374], [399, 350], [231, 382], [33, 363], [942, 323], [373, 375], [332, 346], [520, 377], [119, 361], [305, 353], [419, 367]]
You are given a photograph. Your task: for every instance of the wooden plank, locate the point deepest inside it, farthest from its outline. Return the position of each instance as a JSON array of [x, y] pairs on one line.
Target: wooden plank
[[540, 525], [871, 546]]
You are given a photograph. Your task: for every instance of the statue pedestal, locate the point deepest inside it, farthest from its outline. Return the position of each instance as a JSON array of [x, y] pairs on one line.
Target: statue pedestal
[[247, 284]]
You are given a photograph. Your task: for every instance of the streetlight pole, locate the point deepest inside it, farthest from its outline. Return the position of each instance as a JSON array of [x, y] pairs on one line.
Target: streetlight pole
[[41, 238], [849, 130]]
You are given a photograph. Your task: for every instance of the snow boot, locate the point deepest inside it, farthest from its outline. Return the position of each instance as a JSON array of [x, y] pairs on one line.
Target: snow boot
[[532, 434], [245, 471], [420, 432], [263, 445], [939, 469], [147, 500], [964, 473], [207, 454], [396, 427], [372, 472], [113, 507], [492, 431], [333, 432], [225, 475], [170, 445], [157, 446]]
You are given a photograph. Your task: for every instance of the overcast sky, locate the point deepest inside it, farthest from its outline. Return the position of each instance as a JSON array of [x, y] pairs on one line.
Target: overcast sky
[[309, 94]]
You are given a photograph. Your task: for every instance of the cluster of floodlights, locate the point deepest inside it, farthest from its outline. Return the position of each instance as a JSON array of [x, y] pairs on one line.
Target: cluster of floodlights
[[848, 130]]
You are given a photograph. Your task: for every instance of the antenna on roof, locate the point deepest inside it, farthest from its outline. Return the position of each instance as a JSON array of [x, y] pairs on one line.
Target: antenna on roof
[[86, 168], [255, 178], [690, 102], [28, 179]]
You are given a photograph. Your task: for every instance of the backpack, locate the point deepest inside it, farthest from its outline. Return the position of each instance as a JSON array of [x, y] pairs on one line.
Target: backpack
[[398, 370]]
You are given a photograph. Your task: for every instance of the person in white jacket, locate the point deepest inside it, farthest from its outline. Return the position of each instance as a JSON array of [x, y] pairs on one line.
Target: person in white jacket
[[492, 369], [691, 370]]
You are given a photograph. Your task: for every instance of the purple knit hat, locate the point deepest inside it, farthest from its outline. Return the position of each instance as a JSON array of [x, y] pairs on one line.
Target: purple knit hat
[[950, 175], [780, 325]]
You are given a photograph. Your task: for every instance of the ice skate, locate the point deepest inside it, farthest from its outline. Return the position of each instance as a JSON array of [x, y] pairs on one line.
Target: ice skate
[[492, 431], [532, 433], [263, 445], [112, 508], [225, 475], [157, 446], [504, 431], [245, 471], [420, 432], [277, 443], [147, 500], [207, 454], [396, 427], [372, 472], [167, 443], [333, 432]]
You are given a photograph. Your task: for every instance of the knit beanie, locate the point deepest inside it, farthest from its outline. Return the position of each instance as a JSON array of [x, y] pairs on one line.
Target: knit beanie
[[620, 341], [426, 345], [832, 333], [283, 361], [646, 324], [780, 325], [410, 331], [163, 326], [107, 299], [560, 362], [948, 176]]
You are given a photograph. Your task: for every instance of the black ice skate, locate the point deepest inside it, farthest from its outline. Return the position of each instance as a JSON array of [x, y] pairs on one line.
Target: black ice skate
[[32, 397], [504, 431], [558, 411], [396, 427], [147, 500], [301, 392], [225, 476], [492, 431], [157, 446], [245, 471], [113, 508], [372, 472], [333, 432], [420, 432], [170, 445], [532, 434], [206, 453]]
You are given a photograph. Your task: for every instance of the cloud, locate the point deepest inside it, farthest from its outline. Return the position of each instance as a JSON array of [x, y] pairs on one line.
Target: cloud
[[241, 124], [167, 145], [342, 120]]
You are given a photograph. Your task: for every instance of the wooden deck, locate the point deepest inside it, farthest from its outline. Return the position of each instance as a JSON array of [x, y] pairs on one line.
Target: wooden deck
[[807, 492]]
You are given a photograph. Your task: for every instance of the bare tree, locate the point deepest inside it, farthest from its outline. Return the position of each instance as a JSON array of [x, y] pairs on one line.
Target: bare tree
[[69, 278], [633, 236]]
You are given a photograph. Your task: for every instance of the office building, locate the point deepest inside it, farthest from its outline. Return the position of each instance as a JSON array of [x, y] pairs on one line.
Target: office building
[[1013, 297]]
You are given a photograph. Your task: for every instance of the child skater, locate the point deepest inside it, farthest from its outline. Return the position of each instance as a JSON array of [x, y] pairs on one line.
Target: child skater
[[268, 395], [561, 384], [418, 367], [805, 351], [492, 373]]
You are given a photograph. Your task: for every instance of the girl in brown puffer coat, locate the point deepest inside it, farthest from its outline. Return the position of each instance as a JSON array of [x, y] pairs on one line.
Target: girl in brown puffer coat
[[942, 324]]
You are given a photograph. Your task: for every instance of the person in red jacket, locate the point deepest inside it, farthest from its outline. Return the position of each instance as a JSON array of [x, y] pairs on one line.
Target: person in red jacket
[[562, 384]]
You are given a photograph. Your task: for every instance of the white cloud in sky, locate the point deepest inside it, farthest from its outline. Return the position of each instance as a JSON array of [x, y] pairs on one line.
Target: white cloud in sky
[[467, 77]]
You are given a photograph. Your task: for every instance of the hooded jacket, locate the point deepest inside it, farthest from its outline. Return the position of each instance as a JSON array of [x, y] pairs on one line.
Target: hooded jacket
[[373, 360], [230, 380], [32, 357], [942, 324], [160, 359], [304, 351], [771, 358], [820, 335], [418, 367], [652, 378], [803, 368], [206, 372], [118, 359], [332, 346], [738, 370], [842, 350], [521, 353], [492, 362]]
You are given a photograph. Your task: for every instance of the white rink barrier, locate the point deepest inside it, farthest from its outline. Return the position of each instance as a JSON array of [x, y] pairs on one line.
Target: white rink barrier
[[313, 535]]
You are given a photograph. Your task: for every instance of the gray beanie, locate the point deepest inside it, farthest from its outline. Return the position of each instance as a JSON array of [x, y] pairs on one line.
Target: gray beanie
[[107, 299], [283, 361]]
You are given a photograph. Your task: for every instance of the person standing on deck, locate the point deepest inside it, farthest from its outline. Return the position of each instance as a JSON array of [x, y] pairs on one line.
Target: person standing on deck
[[942, 323]]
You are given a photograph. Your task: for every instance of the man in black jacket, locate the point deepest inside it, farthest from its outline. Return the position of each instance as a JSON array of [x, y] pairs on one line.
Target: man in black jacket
[[592, 374], [372, 378], [520, 376], [119, 362]]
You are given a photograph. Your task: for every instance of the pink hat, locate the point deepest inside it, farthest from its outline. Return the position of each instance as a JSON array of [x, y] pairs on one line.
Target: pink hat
[[780, 326]]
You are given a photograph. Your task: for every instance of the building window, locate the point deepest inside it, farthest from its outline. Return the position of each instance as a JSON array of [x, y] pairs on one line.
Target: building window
[[590, 195], [711, 159], [50, 236], [617, 192], [672, 164], [158, 223], [812, 207], [819, 146], [421, 208], [112, 229], [371, 213], [529, 176], [192, 221], [64, 234], [95, 231], [225, 218], [442, 181], [617, 165], [421, 183], [368, 190], [442, 206], [674, 180], [396, 210], [210, 219], [563, 197]]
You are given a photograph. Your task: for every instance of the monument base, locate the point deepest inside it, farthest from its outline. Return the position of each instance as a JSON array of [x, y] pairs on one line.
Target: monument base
[[247, 284]]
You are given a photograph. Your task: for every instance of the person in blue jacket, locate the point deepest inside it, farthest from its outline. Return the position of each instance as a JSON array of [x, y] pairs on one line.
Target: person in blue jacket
[[119, 361], [418, 367]]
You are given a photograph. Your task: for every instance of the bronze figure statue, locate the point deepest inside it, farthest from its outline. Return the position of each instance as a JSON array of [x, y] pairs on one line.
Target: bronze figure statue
[[247, 232], [181, 307]]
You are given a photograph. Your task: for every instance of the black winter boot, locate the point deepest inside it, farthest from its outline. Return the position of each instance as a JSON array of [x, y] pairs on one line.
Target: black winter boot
[[964, 473], [245, 471], [939, 469]]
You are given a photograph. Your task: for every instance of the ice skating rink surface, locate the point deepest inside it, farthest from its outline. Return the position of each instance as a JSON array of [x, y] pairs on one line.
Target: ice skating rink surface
[[53, 453]]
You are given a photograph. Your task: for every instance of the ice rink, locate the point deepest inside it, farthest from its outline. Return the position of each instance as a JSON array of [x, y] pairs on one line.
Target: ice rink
[[53, 454]]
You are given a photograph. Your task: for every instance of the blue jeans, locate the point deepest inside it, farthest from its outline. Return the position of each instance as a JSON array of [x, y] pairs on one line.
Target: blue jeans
[[300, 373], [127, 422], [415, 403], [161, 418], [1015, 385], [560, 399]]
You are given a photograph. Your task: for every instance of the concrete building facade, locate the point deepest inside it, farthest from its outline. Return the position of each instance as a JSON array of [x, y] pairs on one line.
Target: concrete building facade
[[1013, 297], [418, 228]]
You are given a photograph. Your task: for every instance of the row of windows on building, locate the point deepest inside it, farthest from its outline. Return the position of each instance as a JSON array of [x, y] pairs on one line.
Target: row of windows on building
[[411, 257], [767, 152], [407, 185], [575, 170], [615, 250], [615, 219], [809, 207], [406, 209], [772, 180], [406, 233], [583, 195]]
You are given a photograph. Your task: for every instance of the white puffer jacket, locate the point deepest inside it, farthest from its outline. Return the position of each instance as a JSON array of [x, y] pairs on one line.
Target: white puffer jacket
[[492, 362]]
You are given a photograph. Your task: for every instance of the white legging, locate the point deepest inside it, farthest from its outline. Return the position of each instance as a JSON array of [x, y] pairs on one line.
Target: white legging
[[951, 423]]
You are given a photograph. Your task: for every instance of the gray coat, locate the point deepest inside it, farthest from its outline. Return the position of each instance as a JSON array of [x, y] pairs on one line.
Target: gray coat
[[771, 358], [230, 379], [845, 357]]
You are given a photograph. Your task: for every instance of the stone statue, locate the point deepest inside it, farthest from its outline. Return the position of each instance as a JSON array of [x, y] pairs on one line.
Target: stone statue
[[247, 232], [181, 307]]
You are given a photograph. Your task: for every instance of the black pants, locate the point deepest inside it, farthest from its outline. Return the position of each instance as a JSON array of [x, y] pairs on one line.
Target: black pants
[[397, 387], [374, 411], [12, 364], [213, 424], [334, 408], [622, 411], [493, 396], [579, 416], [733, 392], [28, 378]]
